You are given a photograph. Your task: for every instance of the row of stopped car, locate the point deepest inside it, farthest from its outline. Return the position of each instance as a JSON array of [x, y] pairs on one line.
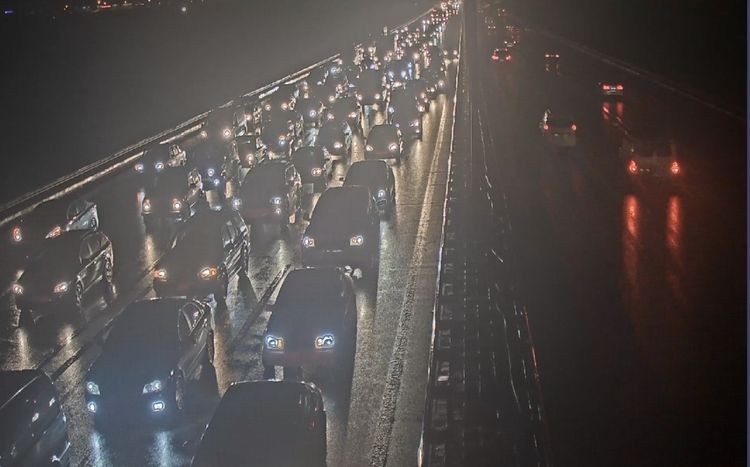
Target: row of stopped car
[[166, 341]]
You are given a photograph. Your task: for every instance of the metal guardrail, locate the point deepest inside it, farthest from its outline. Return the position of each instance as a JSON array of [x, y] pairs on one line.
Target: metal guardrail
[[109, 165]]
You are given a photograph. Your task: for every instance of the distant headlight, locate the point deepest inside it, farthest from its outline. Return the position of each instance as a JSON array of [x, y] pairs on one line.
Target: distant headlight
[[378, 96], [391, 109], [139, 167], [381, 193], [250, 159], [326, 341], [176, 205], [274, 342], [16, 235], [421, 108], [338, 145], [330, 116], [159, 166], [276, 200], [414, 123], [146, 205], [331, 99], [92, 388], [204, 134], [316, 171], [55, 232], [210, 171], [226, 133], [160, 274], [282, 139], [61, 288], [369, 148], [353, 114], [308, 242], [208, 273], [153, 386], [284, 106], [313, 113], [357, 240], [359, 96], [393, 147], [217, 182], [17, 289], [236, 203]]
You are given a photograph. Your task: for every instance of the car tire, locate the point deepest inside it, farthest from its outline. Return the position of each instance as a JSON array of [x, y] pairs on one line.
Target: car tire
[[244, 260], [178, 396], [108, 280], [78, 297]]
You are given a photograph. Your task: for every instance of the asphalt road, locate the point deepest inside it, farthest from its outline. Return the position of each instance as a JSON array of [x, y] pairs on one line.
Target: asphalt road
[[635, 291], [386, 396]]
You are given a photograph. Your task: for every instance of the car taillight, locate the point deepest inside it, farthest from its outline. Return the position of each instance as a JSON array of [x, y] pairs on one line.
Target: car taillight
[[605, 87], [545, 127], [573, 127], [675, 168], [633, 167], [619, 87]]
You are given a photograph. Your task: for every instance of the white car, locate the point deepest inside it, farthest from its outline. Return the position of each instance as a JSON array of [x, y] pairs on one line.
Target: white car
[[558, 131]]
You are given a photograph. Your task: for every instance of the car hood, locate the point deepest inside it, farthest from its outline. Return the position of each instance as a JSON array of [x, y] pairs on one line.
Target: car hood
[[131, 366], [42, 277], [187, 262]]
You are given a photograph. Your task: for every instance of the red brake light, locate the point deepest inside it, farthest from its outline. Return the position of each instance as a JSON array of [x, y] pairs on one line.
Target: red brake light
[[573, 127], [508, 57], [619, 87], [545, 127], [605, 87], [633, 167], [675, 168]]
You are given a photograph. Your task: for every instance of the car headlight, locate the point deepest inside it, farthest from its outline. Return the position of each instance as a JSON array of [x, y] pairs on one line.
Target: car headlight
[[210, 171], [369, 148], [357, 240], [359, 97], [61, 288], [159, 166], [139, 167], [316, 171], [352, 114], [208, 273], [276, 200], [274, 342], [146, 205], [153, 386], [391, 109], [217, 182], [284, 106], [414, 123], [16, 235], [160, 274], [17, 289], [338, 145], [308, 242], [381, 193], [390, 74], [331, 99], [282, 139], [326, 341], [378, 95], [226, 133], [441, 83], [236, 203], [176, 205], [393, 147], [55, 232], [250, 158], [313, 113], [92, 388]]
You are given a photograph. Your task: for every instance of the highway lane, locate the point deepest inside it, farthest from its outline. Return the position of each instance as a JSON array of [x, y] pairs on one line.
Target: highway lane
[[635, 292], [64, 346]]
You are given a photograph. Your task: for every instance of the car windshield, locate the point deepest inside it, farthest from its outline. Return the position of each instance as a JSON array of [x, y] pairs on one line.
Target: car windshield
[[382, 133], [263, 179], [368, 173], [303, 289], [147, 328], [341, 203]]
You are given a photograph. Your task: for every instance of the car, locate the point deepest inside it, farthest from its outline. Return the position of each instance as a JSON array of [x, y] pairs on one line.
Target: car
[[218, 163], [160, 157], [32, 421], [344, 230], [336, 139], [49, 219], [398, 72], [313, 166], [61, 273], [501, 55], [311, 109], [371, 87], [250, 150], [266, 423], [347, 110], [150, 352], [613, 90], [283, 99], [559, 131], [551, 62], [384, 142], [413, 55], [433, 53], [313, 323], [421, 92], [437, 80], [337, 77], [282, 134], [271, 192], [224, 124], [316, 78], [650, 153], [176, 194], [212, 247], [409, 121], [402, 99], [378, 177]]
